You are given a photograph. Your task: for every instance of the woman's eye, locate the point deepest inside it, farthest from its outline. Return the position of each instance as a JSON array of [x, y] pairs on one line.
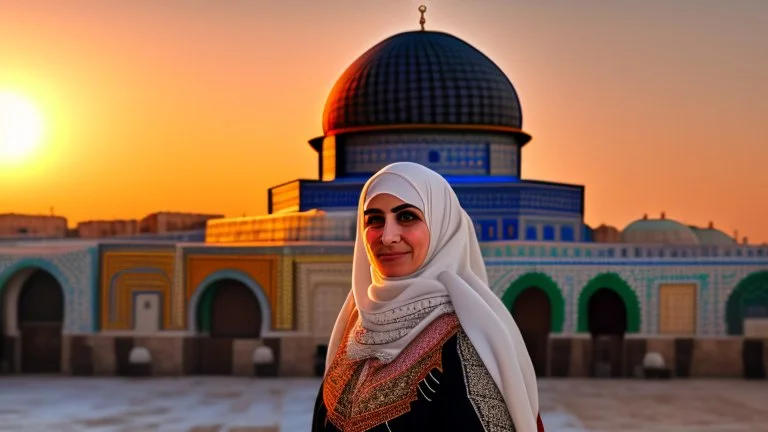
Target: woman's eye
[[407, 216], [374, 220]]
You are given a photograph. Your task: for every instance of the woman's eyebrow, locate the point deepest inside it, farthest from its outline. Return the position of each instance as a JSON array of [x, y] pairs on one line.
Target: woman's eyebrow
[[403, 207]]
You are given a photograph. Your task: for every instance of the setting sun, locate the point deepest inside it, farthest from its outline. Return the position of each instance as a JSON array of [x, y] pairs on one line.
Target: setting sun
[[21, 128]]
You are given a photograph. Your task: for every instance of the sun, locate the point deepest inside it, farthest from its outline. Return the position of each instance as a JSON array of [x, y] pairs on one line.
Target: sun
[[21, 128]]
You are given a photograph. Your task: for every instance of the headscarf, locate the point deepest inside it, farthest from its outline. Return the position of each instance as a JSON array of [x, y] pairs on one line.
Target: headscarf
[[452, 278]]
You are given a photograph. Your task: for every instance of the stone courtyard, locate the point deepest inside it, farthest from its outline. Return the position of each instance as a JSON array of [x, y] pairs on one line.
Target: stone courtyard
[[32, 404]]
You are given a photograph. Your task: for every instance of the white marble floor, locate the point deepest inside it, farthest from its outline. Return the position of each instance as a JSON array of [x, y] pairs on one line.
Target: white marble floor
[[32, 404]]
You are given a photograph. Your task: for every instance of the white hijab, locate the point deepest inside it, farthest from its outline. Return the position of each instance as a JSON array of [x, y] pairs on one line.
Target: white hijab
[[453, 277]]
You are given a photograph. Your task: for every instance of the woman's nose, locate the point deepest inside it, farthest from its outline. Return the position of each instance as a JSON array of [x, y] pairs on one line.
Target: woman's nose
[[391, 233]]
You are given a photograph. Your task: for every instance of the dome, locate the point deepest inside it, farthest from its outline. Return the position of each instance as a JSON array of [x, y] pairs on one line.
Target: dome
[[423, 79], [659, 231], [713, 237]]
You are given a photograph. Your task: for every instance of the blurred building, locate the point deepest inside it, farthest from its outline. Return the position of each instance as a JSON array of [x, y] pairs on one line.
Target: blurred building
[[14, 225], [107, 228], [165, 222]]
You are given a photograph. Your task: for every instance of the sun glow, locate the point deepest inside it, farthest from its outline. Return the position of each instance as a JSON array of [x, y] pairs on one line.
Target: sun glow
[[21, 128]]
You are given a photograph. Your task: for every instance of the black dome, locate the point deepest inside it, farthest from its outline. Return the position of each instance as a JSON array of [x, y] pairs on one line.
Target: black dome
[[422, 78]]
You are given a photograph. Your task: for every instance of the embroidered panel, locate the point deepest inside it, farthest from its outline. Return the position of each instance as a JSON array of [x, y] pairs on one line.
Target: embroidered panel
[[362, 394], [481, 389]]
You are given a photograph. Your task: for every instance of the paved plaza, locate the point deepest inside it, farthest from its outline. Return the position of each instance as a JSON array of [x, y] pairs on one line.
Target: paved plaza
[[32, 404]]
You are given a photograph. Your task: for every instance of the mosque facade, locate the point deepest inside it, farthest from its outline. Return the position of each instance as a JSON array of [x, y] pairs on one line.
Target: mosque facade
[[260, 295]]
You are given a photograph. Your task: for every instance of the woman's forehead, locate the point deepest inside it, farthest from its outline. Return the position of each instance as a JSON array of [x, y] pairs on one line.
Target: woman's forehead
[[389, 189], [387, 202]]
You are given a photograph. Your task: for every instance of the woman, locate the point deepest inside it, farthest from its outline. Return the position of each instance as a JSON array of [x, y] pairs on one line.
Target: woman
[[422, 343]]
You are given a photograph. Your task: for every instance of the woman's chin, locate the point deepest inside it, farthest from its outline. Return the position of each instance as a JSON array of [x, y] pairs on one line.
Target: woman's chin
[[395, 270]]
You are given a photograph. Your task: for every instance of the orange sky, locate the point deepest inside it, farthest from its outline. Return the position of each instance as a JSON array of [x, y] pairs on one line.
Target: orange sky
[[653, 105]]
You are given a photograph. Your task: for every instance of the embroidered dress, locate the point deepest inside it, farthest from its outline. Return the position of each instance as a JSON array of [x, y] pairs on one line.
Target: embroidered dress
[[438, 382]]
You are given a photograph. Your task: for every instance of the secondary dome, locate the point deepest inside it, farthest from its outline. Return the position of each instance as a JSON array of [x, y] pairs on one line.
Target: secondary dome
[[422, 78], [713, 237], [658, 231]]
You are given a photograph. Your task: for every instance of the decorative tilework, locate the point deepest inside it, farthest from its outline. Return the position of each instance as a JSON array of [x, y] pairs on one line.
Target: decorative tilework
[[305, 226], [285, 295], [125, 272], [177, 295], [72, 267], [309, 276], [503, 159], [445, 158]]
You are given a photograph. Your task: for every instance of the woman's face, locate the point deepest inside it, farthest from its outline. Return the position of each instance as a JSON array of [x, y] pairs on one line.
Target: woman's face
[[396, 236]]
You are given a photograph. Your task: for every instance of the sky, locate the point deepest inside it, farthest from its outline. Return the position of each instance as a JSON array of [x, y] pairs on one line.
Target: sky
[[653, 105]]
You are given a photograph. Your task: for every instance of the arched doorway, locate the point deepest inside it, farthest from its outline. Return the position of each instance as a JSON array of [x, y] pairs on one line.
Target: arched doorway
[[235, 311], [532, 312], [746, 312], [607, 323], [40, 315], [747, 302], [228, 310]]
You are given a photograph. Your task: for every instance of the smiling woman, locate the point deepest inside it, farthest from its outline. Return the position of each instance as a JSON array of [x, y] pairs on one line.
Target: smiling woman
[[21, 128]]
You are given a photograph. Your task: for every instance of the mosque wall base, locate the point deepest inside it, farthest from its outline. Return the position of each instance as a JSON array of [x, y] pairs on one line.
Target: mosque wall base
[[580, 356], [300, 355], [303, 355]]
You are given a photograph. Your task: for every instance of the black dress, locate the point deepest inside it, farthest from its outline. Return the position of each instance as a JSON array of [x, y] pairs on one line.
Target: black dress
[[438, 382]]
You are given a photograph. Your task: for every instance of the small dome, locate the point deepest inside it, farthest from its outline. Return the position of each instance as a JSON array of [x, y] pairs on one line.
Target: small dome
[[658, 231], [423, 78], [713, 237]]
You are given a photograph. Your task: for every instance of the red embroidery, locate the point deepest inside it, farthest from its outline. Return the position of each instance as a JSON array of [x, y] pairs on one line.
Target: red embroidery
[[362, 394]]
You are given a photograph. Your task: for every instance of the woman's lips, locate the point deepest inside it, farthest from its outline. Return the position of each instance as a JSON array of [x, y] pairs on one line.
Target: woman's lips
[[391, 256]]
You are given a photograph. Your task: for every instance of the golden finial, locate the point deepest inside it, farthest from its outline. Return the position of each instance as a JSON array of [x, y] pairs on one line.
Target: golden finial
[[422, 21]]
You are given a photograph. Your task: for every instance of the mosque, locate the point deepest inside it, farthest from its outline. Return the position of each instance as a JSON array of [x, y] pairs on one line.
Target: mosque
[[259, 295]]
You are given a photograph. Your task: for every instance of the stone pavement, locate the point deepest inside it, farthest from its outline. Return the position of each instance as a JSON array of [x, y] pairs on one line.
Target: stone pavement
[[219, 404]]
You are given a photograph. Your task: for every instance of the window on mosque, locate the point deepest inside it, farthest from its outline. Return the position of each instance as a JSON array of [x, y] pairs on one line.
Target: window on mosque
[[530, 233], [434, 156], [549, 232], [510, 231], [566, 233], [491, 232]]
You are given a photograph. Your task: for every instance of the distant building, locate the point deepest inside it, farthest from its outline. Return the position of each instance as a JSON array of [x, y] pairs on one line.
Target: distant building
[[107, 228], [165, 222], [32, 226], [606, 234]]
